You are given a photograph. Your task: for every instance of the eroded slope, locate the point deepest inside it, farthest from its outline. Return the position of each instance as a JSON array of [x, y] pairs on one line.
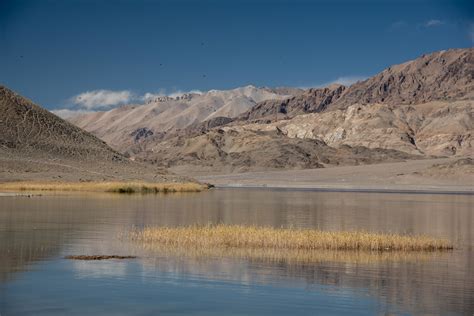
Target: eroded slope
[[37, 145]]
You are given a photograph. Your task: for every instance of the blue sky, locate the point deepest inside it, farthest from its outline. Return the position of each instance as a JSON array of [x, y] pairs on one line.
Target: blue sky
[[97, 54]]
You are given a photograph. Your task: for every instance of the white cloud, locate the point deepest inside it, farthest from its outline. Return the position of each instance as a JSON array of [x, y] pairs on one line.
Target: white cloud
[[433, 22], [67, 113], [96, 100], [99, 99], [344, 80]]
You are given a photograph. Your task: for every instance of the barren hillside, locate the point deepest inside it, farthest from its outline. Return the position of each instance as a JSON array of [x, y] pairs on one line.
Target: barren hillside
[[124, 126], [446, 75], [312, 100], [36, 144], [434, 128], [422, 108], [441, 76], [240, 149]]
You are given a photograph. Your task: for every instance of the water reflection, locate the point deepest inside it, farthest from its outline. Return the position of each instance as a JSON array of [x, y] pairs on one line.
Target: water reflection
[[48, 228], [429, 287]]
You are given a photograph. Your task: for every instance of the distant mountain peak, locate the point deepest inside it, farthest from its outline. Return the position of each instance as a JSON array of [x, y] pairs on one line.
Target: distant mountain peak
[[165, 114], [443, 75], [439, 76]]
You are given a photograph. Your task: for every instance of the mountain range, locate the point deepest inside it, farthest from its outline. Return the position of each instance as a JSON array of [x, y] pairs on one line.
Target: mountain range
[[123, 127], [421, 108]]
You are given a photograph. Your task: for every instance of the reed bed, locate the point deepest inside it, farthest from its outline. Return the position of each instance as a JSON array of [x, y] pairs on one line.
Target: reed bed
[[254, 237], [115, 187]]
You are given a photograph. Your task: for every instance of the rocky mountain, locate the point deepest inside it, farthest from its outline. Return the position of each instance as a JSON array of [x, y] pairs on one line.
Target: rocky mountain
[[435, 128], [441, 76], [241, 149], [36, 144], [30, 129], [356, 135], [123, 127], [286, 90], [309, 101], [421, 108]]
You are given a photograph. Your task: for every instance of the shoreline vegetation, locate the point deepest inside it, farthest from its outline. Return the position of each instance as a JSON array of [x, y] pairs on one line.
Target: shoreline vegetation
[[112, 187], [218, 237]]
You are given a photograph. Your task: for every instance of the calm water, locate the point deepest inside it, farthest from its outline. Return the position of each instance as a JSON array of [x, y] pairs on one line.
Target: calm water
[[36, 233]]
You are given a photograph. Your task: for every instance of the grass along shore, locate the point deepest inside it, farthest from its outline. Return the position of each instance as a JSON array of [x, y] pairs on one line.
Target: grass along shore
[[253, 237], [115, 187]]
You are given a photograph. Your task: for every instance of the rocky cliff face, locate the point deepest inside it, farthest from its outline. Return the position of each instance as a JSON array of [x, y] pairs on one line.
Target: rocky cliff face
[[441, 76], [310, 101], [434, 128], [241, 149]]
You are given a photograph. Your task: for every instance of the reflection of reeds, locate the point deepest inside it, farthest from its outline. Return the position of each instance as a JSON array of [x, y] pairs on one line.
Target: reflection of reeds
[[117, 187], [253, 237], [290, 256]]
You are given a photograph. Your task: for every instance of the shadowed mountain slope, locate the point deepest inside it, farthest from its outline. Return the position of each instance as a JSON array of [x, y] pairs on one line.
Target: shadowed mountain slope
[[30, 129], [241, 149], [37, 145], [312, 100]]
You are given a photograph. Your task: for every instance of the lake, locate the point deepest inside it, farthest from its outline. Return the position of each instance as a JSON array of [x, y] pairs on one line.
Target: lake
[[36, 234]]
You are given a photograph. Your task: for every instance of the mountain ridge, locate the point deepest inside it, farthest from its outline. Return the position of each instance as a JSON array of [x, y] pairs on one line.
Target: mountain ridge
[[168, 115], [444, 75], [35, 144], [414, 110]]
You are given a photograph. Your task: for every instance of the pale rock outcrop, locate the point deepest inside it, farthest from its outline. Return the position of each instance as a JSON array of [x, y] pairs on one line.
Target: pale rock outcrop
[[434, 128]]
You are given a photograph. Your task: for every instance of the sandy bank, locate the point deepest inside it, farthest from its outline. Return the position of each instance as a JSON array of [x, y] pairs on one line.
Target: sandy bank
[[409, 176]]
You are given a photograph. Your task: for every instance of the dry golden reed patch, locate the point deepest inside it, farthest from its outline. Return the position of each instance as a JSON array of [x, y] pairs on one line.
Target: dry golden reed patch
[[116, 187], [254, 237]]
